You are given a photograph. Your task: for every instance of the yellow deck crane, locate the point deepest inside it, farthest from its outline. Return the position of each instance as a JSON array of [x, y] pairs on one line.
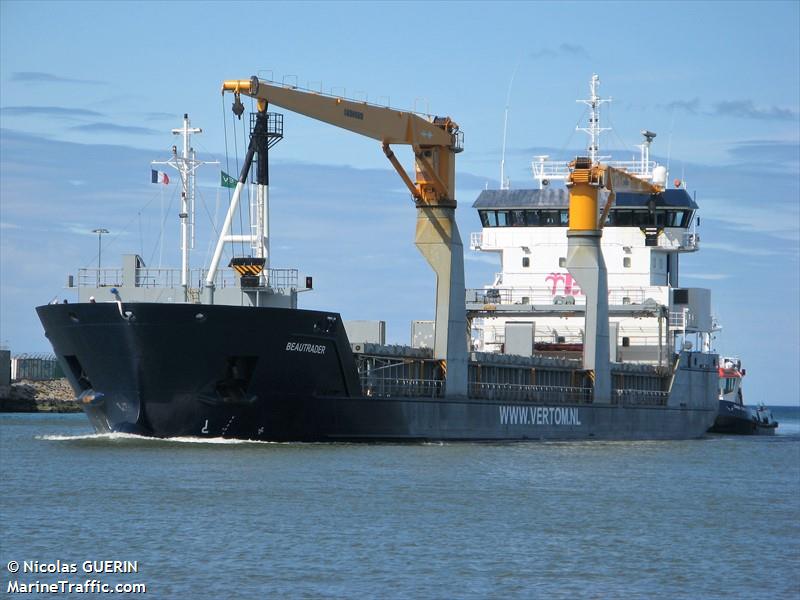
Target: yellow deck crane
[[435, 142], [585, 258]]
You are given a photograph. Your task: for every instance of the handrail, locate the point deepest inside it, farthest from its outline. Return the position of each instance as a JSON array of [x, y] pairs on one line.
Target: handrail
[[541, 393], [475, 240], [390, 387], [546, 295], [171, 278], [633, 397], [543, 168], [686, 240]]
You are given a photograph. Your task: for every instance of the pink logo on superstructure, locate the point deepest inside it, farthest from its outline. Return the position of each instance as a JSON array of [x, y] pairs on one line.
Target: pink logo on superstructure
[[570, 286]]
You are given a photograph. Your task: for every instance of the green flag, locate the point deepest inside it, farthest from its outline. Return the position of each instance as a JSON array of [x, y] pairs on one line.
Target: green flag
[[226, 180]]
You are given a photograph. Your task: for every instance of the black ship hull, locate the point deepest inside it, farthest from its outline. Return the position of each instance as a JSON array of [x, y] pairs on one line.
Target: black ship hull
[[738, 419], [185, 370], [173, 370]]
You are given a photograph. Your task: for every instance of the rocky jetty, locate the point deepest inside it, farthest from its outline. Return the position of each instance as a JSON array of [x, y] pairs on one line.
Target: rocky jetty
[[54, 395]]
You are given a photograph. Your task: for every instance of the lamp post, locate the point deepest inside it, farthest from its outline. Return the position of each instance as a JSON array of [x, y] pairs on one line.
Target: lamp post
[[99, 233]]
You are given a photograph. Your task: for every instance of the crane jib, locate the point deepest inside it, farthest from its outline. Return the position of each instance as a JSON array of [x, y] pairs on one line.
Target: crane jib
[[354, 114], [435, 141]]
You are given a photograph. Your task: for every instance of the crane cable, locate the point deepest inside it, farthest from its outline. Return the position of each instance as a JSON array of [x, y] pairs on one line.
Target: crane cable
[[247, 188], [250, 199], [236, 156], [227, 154], [614, 131], [572, 134]]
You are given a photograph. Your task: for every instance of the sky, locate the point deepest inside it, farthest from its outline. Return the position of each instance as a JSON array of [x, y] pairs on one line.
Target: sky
[[90, 91]]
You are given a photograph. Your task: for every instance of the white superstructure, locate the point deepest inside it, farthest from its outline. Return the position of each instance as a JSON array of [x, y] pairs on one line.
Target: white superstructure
[[533, 295]]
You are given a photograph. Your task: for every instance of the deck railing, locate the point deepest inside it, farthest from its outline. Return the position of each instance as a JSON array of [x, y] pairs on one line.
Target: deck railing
[[552, 394], [171, 278], [396, 387], [629, 397], [546, 295], [543, 168], [688, 241]]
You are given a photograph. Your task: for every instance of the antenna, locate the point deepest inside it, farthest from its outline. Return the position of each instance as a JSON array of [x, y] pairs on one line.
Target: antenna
[[504, 183], [669, 141]]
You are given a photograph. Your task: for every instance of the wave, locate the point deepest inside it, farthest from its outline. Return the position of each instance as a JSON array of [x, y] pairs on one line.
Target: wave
[[127, 437]]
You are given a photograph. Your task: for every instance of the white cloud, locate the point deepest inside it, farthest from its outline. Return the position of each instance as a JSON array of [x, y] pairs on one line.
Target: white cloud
[[482, 258], [781, 220], [738, 249], [706, 276]]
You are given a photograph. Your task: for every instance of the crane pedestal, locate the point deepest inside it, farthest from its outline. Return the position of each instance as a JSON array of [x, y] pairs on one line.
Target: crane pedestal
[[586, 265], [438, 240]]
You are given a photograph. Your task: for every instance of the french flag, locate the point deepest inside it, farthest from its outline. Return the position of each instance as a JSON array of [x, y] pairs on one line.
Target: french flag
[[158, 177]]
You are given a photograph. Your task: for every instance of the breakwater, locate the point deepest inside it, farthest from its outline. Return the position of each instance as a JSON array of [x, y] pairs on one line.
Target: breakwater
[[52, 395]]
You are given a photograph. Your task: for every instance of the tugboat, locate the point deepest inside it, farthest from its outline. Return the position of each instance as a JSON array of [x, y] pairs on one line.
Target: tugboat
[[734, 416], [227, 353]]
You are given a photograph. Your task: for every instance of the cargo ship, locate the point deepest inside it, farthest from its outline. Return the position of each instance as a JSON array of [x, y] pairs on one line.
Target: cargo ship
[[226, 352]]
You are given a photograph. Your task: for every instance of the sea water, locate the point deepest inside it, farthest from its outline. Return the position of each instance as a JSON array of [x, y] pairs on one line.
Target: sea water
[[717, 517]]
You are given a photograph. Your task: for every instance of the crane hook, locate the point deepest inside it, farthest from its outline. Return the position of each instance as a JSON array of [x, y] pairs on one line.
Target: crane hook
[[238, 107]]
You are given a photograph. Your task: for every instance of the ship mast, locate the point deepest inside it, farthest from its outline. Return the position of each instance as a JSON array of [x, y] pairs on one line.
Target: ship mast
[[594, 130], [186, 164], [546, 170]]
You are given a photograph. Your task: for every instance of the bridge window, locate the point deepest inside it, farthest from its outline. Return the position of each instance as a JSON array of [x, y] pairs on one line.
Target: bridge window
[[549, 218], [524, 218], [488, 218], [621, 218], [642, 217], [673, 218]]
